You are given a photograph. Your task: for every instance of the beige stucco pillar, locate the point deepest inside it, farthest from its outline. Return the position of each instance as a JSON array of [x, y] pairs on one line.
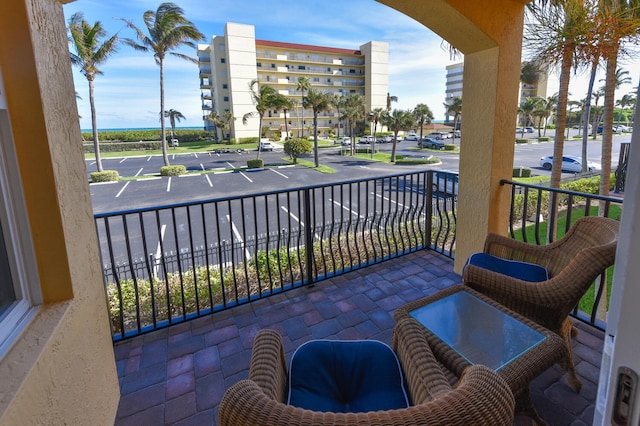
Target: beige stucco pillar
[[61, 369], [489, 34]]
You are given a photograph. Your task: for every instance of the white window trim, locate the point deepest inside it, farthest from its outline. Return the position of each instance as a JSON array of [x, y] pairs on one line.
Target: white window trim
[[17, 236]]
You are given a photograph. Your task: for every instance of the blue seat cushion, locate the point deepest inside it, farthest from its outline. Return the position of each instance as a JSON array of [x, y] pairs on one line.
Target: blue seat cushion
[[513, 268], [346, 377]]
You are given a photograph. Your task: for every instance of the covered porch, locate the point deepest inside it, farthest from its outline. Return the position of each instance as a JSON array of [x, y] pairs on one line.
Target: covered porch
[[178, 375]]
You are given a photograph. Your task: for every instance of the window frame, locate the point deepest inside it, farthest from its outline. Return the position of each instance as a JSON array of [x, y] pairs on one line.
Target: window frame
[[17, 238]]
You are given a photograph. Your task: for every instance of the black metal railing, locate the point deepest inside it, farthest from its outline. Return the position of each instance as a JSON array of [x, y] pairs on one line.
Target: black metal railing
[[530, 216], [171, 263]]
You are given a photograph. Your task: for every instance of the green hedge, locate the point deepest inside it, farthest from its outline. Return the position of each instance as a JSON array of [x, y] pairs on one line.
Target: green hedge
[[450, 147], [105, 176], [122, 146], [522, 140], [544, 139], [173, 170], [147, 135], [255, 163], [521, 172], [409, 160], [248, 140]]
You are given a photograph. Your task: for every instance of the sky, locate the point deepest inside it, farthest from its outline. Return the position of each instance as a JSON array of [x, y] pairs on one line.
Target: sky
[[127, 94]]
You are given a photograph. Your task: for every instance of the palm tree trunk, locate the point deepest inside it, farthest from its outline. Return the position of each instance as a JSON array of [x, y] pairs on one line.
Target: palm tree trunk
[[315, 139], [163, 130], [393, 149], [259, 135], [302, 115], [607, 124], [587, 114], [286, 128], [94, 127], [558, 146]]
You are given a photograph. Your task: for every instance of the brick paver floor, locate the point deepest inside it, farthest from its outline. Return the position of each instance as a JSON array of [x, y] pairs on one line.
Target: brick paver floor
[[178, 375]]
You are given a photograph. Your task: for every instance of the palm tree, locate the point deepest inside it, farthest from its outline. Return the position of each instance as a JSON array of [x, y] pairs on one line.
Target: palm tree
[[621, 19], [303, 84], [173, 115], [530, 73], [285, 104], [317, 101], [389, 100], [217, 121], [264, 98], [168, 30], [353, 112], [228, 119], [397, 120], [454, 108], [540, 113], [375, 116], [91, 51], [423, 115], [338, 102], [625, 101], [550, 106]]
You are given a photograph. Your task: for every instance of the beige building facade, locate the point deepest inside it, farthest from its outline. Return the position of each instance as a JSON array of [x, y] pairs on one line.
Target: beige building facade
[[229, 63]]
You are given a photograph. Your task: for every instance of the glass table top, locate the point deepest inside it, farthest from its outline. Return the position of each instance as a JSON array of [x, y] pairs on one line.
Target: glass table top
[[477, 331]]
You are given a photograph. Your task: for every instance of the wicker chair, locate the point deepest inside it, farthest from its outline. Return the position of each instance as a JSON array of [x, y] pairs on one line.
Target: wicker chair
[[481, 397], [572, 262]]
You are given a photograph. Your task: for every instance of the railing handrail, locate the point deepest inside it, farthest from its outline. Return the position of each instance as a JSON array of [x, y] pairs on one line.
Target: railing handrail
[[560, 190]]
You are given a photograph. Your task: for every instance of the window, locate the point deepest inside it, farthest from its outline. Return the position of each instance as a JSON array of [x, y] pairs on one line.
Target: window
[[223, 60], [301, 67], [226, 99], [273, 65], [259, 64], [19, 286], [225, 86]]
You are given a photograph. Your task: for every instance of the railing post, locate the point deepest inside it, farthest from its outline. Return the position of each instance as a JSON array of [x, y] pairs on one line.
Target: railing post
[[308, 235]]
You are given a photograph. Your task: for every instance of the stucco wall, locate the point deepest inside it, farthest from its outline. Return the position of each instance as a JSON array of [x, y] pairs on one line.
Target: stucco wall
[[489, 34], [62, 369]]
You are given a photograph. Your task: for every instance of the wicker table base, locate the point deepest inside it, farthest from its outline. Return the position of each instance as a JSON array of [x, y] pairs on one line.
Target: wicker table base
[[518, 373]]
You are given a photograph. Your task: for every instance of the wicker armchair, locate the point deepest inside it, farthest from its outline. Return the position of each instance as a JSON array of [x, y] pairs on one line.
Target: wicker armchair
[[481, 397], [573, 263]]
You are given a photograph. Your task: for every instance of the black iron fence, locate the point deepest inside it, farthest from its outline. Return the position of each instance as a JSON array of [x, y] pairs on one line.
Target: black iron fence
[[171, 263], [530, 215]]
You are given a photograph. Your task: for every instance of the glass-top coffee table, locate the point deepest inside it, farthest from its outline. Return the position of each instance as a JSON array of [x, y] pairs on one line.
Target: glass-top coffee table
[[464, 327]]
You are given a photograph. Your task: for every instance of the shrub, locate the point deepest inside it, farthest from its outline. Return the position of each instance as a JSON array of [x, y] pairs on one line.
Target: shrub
[[521, 172], [122, 146], [105, 176], [295, 147], [409, 160], [522, 140], [544, 139], [248, 140], [173, 170], [255, 163], [449, 147]]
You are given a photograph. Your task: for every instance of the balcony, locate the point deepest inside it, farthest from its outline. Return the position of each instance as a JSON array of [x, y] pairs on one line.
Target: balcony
[[180, 373], [177, 370]]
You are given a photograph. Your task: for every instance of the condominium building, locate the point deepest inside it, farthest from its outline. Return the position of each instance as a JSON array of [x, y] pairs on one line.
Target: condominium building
[[454, 86], [230, 62]]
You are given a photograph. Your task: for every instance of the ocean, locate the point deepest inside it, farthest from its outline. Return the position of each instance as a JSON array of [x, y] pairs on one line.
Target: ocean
[[124, 129]]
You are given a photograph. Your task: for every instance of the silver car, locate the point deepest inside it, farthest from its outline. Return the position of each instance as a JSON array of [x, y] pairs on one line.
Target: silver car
[[569, 164]]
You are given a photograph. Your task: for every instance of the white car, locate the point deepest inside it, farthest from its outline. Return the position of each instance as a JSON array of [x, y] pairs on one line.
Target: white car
[[446, 182], [412, 137], [366, 139], [569, 164], [344, 140], [266, 146]]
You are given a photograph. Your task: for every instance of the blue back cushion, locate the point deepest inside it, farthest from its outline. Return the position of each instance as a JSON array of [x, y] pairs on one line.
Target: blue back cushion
[[346, 377], [513, 268]]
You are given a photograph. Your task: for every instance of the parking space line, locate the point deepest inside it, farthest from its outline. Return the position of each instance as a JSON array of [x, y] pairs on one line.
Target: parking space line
[[239, 237], [149, 157], [173, 156], [195, 154], [278, 173], [294, 217], [388, 199], [169, 184], [92, 163], [122, 161], [125, 185], [230, 165], [139, 171], [246, 177], [202, 167], [209, 180], [346, 208]]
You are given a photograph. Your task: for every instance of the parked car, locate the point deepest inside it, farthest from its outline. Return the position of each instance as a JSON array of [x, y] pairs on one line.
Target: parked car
[[446, 183], [266, 146], [431, 144], [528, 129], [439, 135], [366, 139], [412, 137], [569, 164], [386, 139], [343, 140]]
